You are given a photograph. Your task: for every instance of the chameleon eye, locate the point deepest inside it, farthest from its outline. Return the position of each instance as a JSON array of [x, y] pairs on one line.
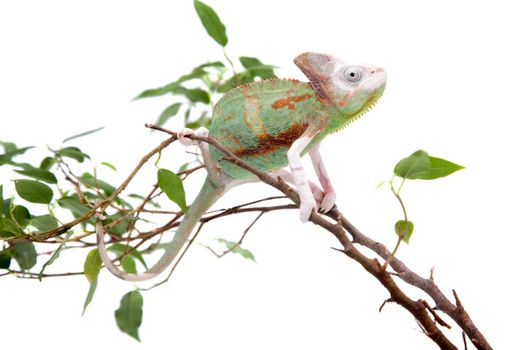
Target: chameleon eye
[[353, 74]]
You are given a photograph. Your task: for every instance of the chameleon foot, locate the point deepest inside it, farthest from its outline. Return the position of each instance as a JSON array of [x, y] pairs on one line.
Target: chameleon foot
[[308, 205], [186, 141], [328, 202]]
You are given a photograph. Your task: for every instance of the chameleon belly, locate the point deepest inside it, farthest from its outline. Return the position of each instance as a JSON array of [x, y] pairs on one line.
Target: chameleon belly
[[260, 121]]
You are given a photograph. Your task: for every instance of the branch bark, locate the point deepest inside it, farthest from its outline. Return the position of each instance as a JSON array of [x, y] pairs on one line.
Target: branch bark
[[340, 229]]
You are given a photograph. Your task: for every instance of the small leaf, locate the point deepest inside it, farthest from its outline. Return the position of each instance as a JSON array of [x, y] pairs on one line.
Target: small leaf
[[412, 166], [169, 112], [109, 165], [5, 259], [404, 229], [85, 133], [128, 264], [90, 294], [216, 64], [92, 265], [25, 254], [211, 22], [194, 95], [21, 215], [73, 203], [38, 174], [424, 167], [11, 153], [2, 200], [237, 249], [47, 162], [73, 153], [440, 168], [90, 181], [34, 191], [257, 68], [55, 255], [122, 249], [129, 314], [44, 222], [171, 184], [8, 146]]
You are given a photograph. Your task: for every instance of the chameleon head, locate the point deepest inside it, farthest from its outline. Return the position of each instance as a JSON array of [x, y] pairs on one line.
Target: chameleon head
[[351, 89]]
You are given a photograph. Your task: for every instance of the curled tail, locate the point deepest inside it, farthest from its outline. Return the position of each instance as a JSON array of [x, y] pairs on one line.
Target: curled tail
[[209, 194]]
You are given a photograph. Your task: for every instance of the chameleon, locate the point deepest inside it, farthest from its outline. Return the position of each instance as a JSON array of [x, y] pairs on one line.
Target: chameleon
[[271, 124]]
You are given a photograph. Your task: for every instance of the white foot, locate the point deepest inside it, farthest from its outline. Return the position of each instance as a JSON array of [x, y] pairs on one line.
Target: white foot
[[308, 205], [328, 202], [186, 141]]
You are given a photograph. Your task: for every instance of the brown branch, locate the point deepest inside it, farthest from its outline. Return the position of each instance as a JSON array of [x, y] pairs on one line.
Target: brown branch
[[42, 236], [457, 313], [417, 309], [239, 242]]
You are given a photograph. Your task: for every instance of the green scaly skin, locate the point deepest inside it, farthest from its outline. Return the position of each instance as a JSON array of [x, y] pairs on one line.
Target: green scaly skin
[[270, 124]]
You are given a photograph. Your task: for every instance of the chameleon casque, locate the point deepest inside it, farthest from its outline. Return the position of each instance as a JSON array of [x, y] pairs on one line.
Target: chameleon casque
[[270, 124]]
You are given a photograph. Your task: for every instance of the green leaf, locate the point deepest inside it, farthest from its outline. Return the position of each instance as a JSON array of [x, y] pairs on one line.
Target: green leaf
[[109, 165], [92, 265], [194, 95], [211, 22], [85, 133], [90, 181], [236, 80], [8, 146], [237, 249], [421, 166], [412, 166], [171, 184], [8, 228], [10, 153], [55, 255], [73, 153], [440, 168], [44, 222], [257, 68], [25, 254], [34, 191], [128, 264], [73, 204], [90, 294], [38, 174], [169, 112], [129, 314], [21, 215], [122, 249], [215, 64], [5, 259], [404, 229], [47, 162], [2, 200]]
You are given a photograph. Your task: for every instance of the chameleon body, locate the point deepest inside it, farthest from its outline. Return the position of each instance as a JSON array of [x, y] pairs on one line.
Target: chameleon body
[[271, 124]]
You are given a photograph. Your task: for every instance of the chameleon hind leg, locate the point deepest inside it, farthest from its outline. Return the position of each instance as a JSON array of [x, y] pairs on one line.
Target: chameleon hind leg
[[329, 196]]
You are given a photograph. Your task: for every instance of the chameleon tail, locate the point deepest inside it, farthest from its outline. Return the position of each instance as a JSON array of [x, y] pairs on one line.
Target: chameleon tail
[[208, 195]]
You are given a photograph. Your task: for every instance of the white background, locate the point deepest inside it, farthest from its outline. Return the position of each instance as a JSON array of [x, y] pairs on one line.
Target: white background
[[455, 89]]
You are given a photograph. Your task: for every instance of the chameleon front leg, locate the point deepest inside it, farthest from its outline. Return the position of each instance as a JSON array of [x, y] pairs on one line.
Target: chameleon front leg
[[203, 146], [308, 203], [328, 201]]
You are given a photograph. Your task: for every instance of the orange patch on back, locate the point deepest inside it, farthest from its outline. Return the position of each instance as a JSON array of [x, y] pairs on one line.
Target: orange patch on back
[[290, 101], [268, 143]]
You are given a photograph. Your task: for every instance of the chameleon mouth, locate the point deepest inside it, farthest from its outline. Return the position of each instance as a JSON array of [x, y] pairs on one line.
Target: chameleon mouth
[[367, 106]]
